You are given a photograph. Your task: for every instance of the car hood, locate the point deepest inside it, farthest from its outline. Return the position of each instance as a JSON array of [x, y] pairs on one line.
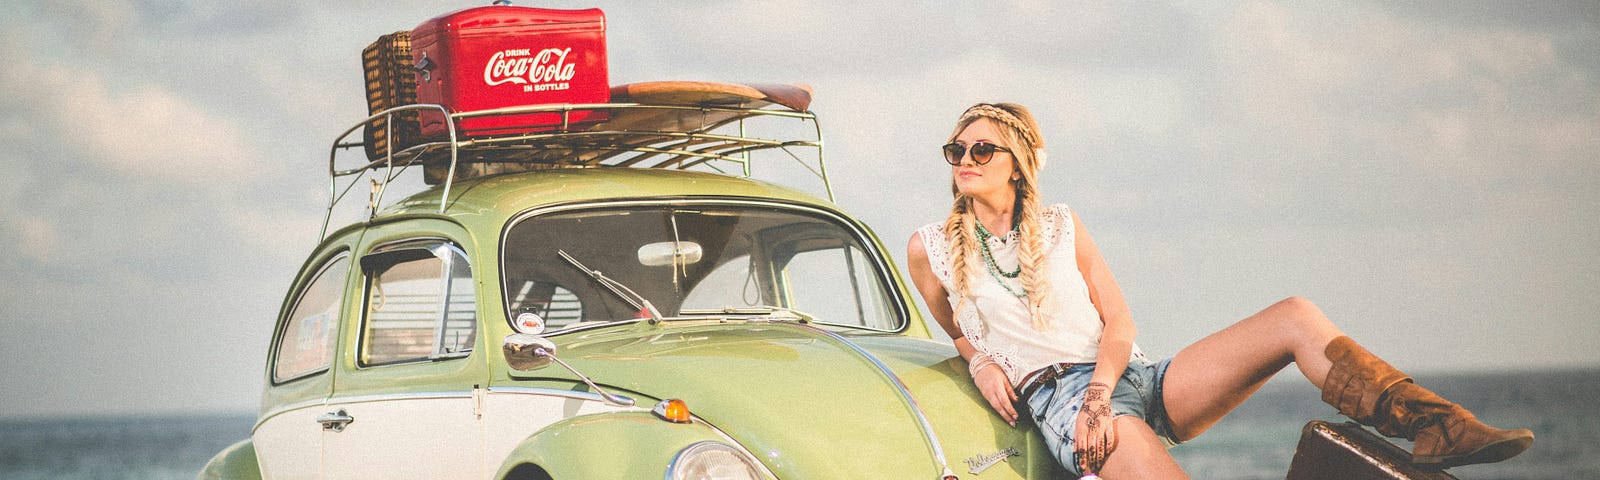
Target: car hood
[[807, 403]]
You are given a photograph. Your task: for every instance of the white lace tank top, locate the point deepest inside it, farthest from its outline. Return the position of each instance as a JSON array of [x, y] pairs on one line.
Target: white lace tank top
[[996, 322]]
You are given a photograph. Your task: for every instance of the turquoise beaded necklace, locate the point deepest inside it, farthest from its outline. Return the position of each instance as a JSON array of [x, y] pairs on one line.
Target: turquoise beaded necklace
[[994, 267]]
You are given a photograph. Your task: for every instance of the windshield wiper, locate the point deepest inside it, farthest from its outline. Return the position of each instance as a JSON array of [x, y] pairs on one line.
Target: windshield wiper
[[762, 310], [622, 291]]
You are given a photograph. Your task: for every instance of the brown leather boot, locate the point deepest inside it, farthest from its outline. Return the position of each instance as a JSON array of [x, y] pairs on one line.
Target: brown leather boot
[[1370, 391]]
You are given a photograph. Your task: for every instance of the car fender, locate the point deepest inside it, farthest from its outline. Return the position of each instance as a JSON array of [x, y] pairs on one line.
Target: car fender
[[607, 445], [238, 461]]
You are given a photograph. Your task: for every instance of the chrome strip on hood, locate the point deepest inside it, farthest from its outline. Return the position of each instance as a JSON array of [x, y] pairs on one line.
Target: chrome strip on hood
[[927, 428]]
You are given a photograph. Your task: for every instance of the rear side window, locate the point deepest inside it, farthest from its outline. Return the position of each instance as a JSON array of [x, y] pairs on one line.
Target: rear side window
[[419, 304], [306, 346]]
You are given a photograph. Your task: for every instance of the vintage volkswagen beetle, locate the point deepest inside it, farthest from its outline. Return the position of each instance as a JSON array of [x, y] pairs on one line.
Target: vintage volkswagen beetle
[[599, 310]]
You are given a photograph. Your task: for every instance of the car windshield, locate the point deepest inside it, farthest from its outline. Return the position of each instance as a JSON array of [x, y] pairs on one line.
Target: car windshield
[[687, 260]]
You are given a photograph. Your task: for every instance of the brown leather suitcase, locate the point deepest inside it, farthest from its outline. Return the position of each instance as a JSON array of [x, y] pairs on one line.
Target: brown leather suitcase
[[1345, 451]]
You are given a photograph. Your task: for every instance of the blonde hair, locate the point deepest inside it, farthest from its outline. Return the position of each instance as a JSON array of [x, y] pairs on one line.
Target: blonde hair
[[1020, 132]]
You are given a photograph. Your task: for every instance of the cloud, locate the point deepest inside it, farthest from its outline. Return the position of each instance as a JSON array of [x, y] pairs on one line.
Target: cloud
[[39, 238], [1293, 111], [145, 131], [104, 28], [273, 232]]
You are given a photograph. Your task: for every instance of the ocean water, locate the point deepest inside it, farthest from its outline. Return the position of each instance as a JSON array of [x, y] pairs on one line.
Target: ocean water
[[1256, 442], [130, 448]]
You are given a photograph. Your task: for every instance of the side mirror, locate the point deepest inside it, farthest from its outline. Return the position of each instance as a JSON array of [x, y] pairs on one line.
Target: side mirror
[[526, 351]]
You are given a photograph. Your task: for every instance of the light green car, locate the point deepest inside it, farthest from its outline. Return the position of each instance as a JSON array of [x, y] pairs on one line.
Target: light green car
[[582, 303]]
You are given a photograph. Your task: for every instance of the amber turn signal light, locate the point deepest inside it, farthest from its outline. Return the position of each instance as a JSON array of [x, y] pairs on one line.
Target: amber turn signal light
[[672, 410]]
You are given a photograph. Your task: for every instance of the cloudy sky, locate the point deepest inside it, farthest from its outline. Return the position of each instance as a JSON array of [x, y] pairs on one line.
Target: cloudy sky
[[1428, 172]]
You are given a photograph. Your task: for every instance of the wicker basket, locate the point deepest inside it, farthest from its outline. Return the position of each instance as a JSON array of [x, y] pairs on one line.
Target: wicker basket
[[391, 82]]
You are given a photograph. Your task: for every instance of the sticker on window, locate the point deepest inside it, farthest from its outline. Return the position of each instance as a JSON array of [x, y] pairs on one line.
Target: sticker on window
[[529, 322], [313, 333]]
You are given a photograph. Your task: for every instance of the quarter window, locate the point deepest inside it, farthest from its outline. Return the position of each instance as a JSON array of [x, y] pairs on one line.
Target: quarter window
[[307, 343], [419, 304]]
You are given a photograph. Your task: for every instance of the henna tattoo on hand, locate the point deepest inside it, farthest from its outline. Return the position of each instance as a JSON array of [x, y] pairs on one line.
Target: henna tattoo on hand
[[1095, 413], [1095, 394], [1096, 405]]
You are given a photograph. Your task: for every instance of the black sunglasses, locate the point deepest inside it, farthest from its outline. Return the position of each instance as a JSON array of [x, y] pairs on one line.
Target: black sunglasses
[[981, 152]]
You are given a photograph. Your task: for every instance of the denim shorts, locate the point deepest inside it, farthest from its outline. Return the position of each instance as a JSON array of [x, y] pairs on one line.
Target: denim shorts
[[1054, 406]]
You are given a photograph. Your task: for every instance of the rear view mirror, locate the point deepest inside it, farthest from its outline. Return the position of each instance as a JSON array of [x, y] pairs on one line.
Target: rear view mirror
[[661, 254]]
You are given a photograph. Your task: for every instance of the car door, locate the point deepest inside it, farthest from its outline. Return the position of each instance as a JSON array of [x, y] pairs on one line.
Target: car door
[[288, 437], [407, 387]]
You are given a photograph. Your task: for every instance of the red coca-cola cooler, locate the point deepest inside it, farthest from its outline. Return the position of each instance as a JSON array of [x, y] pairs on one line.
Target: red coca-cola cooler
[[501, 56]]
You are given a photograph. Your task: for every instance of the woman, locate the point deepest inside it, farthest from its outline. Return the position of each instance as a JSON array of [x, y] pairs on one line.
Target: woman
[[1046, 332]]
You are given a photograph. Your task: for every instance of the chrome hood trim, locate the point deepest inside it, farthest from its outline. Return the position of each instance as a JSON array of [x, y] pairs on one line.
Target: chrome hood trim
[[905, 394]]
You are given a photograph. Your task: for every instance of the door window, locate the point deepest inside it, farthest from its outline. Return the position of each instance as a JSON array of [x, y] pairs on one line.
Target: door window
[[419, 304]]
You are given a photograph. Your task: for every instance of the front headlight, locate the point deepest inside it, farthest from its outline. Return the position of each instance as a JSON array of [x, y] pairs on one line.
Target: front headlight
[[713, 461]]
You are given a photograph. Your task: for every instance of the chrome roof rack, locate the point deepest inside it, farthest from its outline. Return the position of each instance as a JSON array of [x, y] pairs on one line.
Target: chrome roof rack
[[640, 135]]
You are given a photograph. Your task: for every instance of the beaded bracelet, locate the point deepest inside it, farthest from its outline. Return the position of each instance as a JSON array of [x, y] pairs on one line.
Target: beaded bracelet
[[978, 363]]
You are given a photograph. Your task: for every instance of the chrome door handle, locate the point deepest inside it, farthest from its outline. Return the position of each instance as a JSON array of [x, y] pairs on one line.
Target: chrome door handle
[[335, 421]]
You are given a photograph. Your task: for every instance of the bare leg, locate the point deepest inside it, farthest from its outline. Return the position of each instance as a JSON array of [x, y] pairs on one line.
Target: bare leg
[[1213, 376], [1139, 454]]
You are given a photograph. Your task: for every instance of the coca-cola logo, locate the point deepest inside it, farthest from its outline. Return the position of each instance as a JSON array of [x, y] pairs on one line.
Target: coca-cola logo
[[546, 70]]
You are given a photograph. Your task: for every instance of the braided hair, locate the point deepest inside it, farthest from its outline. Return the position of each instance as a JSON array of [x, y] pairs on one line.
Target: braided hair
[[1018, 129]]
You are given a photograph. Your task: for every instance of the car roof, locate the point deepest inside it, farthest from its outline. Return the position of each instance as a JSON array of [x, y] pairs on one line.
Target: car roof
[[497, 198]]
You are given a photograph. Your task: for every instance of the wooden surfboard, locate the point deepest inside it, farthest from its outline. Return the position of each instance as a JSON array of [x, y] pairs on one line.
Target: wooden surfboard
[[796, 97], [627, 129], [702, 94]]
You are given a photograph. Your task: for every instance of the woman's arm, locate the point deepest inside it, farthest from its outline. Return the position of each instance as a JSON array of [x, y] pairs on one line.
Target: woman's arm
[[932, 291], [1116, 345], [1116, 338], [991, 380]]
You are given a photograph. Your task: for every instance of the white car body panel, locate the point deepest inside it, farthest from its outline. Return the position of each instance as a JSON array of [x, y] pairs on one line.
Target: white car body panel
[[289, 445], [406, 437]]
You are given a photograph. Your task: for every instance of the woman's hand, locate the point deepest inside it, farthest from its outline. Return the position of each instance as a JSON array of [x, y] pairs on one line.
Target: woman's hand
[[996, 388], [1096, 437]]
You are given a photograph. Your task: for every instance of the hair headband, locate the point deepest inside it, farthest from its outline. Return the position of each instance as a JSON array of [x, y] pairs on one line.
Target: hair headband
[[1009, 119]]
